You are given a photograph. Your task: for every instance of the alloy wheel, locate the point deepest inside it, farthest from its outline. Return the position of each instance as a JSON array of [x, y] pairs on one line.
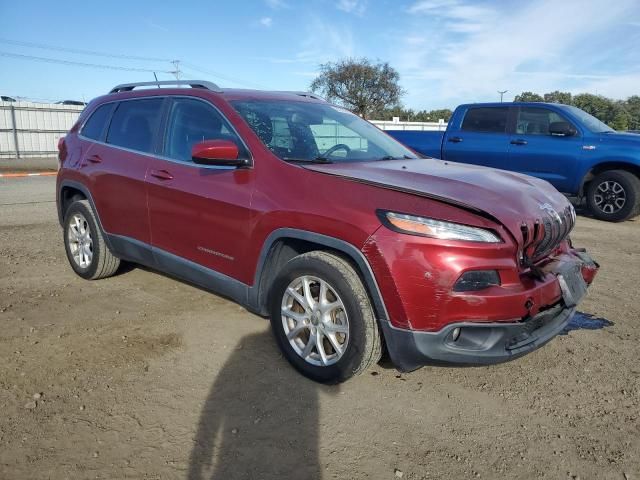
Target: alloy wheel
[[315, 321], [80, 241], [610, 196]]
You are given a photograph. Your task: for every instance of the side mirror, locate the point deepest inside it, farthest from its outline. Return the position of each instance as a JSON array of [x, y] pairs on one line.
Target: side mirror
[[217, 152], [563, 129]]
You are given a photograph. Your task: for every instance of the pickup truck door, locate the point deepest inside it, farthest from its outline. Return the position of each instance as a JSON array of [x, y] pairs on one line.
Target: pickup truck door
[[534, 151], [481, 138]]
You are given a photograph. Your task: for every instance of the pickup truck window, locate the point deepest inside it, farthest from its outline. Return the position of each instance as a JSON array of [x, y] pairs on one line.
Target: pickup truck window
[[536, 121], [486, 119]]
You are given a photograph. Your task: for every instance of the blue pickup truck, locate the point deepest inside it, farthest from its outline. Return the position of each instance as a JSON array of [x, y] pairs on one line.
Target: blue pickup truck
[[574, 151]]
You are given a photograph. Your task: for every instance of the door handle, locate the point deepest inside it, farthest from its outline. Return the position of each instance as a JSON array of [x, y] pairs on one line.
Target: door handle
[[94, 159], [161, 174], [518, 141], [454, 139]]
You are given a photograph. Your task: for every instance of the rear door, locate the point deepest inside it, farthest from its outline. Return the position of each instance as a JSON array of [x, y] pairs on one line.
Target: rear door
[[481, 138], [116, 165], [199, 213], [535, 151]]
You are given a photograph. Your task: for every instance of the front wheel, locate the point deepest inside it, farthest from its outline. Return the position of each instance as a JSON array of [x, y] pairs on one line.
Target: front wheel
[[614, 196], [322, 318]]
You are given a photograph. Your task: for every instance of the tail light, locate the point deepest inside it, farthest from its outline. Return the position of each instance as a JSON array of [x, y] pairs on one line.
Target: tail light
[[62, 151]]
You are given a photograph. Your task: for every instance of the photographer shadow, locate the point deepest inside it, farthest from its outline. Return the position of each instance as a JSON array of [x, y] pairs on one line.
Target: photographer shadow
[[259, 421]]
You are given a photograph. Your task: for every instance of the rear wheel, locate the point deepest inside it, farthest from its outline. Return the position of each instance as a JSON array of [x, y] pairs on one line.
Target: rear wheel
[[322, 318], [614, 196], [86, 249]]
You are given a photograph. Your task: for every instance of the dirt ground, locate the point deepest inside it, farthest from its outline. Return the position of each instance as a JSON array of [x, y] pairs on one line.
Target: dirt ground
[[142, 376]]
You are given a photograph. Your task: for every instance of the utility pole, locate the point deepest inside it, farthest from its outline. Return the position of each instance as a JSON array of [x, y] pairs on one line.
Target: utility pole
[[502, 92], [177, 72]]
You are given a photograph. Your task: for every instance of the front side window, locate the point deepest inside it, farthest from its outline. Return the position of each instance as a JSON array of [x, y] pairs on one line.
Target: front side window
[[486, 120], [94, 128], [305, 131], [536, 121], [135, 123], [192, 121]]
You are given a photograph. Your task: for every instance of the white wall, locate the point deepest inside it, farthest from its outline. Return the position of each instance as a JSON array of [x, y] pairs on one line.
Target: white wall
[[419, 126], [38, 126]]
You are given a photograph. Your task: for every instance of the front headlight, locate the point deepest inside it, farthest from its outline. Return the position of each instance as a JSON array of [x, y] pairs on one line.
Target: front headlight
[[429, 227]]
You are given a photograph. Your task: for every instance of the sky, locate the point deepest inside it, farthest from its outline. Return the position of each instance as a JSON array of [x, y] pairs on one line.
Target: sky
[[446, 51]]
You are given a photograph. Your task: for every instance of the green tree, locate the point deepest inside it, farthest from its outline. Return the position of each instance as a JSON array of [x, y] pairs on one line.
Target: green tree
[[558, 97], [359, 85], [597, 105], [632, 106], [528, 97], [618, 117]]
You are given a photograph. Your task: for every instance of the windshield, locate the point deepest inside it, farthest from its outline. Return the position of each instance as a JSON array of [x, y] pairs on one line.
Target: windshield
[[591, 122], [317, 132]]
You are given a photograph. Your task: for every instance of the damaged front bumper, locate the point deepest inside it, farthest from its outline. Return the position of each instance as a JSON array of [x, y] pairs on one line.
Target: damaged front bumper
[[475, 343]]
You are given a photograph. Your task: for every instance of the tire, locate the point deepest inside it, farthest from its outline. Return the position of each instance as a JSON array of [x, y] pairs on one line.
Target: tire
[[614, 196], [84, 243], [345, 319]]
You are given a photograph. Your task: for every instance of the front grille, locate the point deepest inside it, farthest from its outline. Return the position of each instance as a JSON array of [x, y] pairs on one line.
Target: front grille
[[547, 232]]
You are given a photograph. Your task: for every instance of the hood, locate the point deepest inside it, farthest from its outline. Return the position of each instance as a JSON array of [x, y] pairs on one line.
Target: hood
[[512, 199], [621, 137]]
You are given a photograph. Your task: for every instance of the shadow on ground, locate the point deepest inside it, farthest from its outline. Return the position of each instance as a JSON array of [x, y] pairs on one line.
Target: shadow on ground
[[260, 419], [586, 321]]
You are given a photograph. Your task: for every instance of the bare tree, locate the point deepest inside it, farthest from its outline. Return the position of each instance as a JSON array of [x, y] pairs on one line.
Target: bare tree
[[359, 85]]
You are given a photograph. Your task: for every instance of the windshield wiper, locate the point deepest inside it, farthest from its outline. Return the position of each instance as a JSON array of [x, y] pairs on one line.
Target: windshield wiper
[[308, 160]]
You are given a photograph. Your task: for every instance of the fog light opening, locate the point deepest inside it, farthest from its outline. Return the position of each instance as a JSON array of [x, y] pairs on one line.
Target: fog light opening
[[455, 334], [475, 280]]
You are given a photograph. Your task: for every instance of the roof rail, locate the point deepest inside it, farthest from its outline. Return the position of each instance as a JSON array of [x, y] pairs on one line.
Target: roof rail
[[127, 87]]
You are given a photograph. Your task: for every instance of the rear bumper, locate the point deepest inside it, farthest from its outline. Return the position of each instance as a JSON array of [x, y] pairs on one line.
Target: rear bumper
[[477, 343]]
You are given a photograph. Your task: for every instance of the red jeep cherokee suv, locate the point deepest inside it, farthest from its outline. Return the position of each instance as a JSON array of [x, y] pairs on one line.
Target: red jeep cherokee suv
[[301, 211]]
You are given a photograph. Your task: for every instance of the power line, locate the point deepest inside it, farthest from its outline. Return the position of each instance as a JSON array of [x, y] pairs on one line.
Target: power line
[[176, 63], [78, 64], [222, 76], [80, 51]]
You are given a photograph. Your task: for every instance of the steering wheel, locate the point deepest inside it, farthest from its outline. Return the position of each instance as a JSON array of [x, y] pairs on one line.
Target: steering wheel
[[335, 148]]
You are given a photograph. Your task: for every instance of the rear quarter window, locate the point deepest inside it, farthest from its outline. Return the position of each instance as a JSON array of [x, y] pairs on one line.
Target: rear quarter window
[[95, 127], [486, 120], [135, 123]]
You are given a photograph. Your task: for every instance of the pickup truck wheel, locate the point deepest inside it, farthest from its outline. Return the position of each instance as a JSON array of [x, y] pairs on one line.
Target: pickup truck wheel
[[322, 318], [86, 249], [614, 196]]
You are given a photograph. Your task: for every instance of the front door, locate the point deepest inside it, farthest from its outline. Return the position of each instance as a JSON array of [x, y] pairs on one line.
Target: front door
[[198, 213], [535, 151]]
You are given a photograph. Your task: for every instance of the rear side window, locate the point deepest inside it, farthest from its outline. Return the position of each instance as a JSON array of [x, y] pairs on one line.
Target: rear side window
[[95, 127], [134, 124], [486, 120]]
